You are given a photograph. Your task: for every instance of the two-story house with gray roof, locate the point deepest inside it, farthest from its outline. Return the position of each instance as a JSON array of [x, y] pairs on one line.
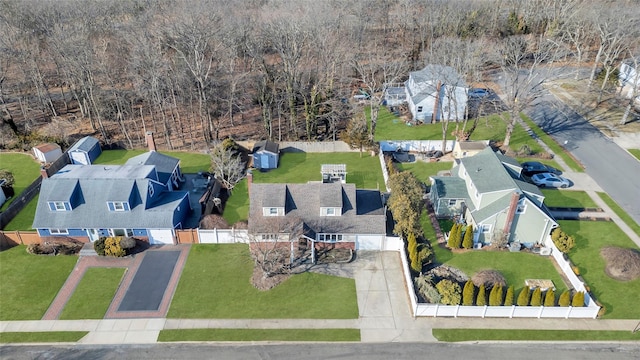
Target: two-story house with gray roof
[[435, 93], [485, 191], [92, 201], [334, 214]]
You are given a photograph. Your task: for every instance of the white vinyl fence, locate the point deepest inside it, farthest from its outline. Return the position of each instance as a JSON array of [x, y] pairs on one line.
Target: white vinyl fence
[[416, 145], [590, 311], [223, 236]]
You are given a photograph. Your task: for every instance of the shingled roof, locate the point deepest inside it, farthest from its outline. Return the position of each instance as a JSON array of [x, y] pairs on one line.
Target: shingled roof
[[362, 210]]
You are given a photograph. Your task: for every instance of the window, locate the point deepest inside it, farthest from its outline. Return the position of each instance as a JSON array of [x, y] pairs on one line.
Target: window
[[521, 207], [151, 190], [117, 206], [272, 211], [59, 206], [330, 237], [452, 202], [419, 108], [58, 231], [486, 228], [331, 211], [121, 232], [269, 237]]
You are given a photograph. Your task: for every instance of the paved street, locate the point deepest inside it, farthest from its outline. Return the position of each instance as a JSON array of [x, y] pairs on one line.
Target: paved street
[[611, 167]]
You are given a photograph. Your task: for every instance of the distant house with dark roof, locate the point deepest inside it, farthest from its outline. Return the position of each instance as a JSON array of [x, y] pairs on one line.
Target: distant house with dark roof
[[266, 154], [92, 201], [322, 214], [485, 190], [47, 153], [85, 151]]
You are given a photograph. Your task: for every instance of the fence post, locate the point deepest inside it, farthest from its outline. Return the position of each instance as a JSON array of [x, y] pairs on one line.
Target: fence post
[[540, 312], [568, 312], [513, 309]]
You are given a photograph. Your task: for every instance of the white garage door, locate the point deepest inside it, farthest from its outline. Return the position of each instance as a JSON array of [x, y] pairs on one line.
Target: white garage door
[[160, 236], [369, 242]]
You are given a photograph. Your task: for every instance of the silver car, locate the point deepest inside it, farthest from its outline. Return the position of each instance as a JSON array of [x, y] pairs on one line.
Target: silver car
[[550, 180]]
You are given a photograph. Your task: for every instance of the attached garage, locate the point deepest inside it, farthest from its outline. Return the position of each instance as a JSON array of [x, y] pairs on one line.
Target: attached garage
[[161, 237], [370, 242]]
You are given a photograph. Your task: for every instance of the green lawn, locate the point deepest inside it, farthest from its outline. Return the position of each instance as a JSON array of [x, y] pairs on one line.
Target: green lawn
[[635, 152], [189, 162], [567, 198], [454, 335], [553, 145], [516, 267], [237, 206], [30, 282], [620, 212], [92, 297], [215, 283], [40, 337], [363, 171], [25, 170], [620, 298], [24, 219], [260, 335], [423, 170]]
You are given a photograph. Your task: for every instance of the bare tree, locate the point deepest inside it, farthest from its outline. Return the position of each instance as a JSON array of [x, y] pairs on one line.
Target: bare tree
[[271, 241], [227, 166], [632, 82], [523, 76]]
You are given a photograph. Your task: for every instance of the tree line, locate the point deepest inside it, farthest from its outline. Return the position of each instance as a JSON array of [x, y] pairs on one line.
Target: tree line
[[195, 72]]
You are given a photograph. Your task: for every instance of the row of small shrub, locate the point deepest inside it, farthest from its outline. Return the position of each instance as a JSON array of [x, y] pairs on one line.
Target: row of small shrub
[[450, 293], [117, 246], [420, 253]]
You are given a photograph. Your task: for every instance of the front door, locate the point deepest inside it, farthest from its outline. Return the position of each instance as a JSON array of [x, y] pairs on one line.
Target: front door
[[93, 234]]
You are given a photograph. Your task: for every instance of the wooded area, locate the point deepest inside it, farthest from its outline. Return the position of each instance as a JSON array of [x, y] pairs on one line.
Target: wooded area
[[195, 72]]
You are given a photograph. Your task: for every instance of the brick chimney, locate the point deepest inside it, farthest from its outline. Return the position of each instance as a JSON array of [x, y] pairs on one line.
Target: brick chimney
[[511, 212], [249, 181], [151, 143], [43, 172]]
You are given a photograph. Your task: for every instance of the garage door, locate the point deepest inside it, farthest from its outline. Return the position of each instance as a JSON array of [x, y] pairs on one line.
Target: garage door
[[160, 236], [369, 242]]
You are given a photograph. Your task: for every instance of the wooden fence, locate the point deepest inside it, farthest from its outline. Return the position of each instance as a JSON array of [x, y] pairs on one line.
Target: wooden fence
[[10, 239]]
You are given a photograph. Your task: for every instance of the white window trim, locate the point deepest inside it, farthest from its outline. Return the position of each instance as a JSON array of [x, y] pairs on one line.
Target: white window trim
[[486, 228], [59, 206], [453, 202], [325, 211], [151, 190], [120, 203], [330, 237], [59, 231], [521, 208], [127, 232], [269, 237], [269, 211]]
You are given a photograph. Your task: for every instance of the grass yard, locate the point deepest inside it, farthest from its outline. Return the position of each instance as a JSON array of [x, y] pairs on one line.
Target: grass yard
[[260, 335], [25, 170], [92, 297], [215, 283], [620, 298], [422, 170], [516, 267], [553, 145], [41, 337], [454, 335], [620, 212], [24, 219], [237, 206], [364, 172], [567, 198], [190, 163], [635, 152], [30, 282]]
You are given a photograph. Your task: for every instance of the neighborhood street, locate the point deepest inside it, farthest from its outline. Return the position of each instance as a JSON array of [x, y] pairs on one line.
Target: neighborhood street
[[614, 169]]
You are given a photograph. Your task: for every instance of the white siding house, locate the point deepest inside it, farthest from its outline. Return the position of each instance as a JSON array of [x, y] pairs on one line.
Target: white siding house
[[436, 93]]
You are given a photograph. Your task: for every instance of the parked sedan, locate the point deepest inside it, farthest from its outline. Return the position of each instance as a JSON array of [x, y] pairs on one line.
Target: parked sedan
[[550, 180], [530, 168]]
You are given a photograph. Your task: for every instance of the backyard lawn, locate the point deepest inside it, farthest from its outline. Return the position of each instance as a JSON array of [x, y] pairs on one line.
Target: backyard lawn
[[215, 283], [30, 282], [567, 199], [25, 170], [364, 172], [24, 219], [619, 297], [237, 206], [93, 295], [422, 170], [190, 163]]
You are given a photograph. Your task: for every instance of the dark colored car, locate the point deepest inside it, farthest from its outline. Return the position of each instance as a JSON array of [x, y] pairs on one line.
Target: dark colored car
[[531, 168]]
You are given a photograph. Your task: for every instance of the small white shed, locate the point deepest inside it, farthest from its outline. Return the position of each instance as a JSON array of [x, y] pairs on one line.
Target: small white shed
[[48, 152]]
